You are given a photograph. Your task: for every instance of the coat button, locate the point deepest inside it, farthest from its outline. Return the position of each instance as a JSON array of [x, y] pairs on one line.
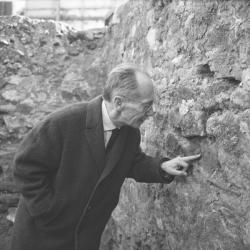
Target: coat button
[[89, 208]]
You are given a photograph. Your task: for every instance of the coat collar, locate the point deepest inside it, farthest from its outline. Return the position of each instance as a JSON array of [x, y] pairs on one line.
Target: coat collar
[[94, 131], [94, 113]]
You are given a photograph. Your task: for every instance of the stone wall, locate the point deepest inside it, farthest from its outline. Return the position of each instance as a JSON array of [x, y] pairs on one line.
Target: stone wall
[[198, 53]]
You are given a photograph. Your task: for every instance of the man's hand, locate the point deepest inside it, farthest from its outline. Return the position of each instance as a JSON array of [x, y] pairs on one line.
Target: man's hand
[[178, 165]]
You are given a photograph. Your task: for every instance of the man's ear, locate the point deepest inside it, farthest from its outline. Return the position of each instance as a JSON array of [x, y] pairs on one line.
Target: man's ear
[[118, 103]]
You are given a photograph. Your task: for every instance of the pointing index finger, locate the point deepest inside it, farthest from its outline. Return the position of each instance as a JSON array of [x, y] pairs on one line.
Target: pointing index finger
[[191, 157]]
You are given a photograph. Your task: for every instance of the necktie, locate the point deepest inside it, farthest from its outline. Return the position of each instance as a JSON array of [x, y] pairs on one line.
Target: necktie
[[112, 139]]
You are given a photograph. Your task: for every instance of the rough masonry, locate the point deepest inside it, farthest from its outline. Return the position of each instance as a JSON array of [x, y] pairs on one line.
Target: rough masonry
[[198, 53]]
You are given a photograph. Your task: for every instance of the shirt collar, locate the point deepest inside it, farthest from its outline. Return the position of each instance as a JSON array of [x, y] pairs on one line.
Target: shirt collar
[[107, 123]]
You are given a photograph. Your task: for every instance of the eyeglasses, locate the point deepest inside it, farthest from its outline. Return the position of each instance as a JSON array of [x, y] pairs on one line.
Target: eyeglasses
[[146, 107]]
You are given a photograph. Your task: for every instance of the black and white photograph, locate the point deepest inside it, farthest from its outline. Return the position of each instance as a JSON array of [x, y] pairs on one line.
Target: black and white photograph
[[124, 124]]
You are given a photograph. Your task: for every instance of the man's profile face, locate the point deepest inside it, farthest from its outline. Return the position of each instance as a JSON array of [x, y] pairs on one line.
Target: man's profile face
[[135, 112]]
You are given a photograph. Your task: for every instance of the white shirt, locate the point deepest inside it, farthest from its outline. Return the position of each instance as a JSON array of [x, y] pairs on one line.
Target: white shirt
[[108, 125]]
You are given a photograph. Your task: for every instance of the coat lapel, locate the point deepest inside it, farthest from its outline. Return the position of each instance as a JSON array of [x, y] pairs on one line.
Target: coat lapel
[[94, 131], [115, 153], [95, 137]]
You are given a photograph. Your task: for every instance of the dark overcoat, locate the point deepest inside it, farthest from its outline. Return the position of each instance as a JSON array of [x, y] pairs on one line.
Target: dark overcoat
[[69, 186]]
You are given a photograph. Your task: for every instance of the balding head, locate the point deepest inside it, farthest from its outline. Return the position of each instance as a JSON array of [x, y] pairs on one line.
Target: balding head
[[125, 80], [145, 86]]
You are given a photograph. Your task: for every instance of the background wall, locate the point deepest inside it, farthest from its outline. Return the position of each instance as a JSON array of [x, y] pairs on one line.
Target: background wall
[[198, 53]]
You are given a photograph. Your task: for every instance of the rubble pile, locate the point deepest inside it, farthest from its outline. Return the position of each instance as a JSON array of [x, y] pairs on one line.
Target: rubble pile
[[44, 66]]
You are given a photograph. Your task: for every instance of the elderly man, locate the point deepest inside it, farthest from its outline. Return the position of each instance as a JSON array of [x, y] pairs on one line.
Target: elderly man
[[70, 168]]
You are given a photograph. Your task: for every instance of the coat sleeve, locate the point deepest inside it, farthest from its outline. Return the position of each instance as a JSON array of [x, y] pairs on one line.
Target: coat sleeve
[[146, 168], [35, 165]]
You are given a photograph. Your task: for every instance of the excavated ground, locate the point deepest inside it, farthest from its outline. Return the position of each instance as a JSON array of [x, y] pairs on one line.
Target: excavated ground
[[198, 53]]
